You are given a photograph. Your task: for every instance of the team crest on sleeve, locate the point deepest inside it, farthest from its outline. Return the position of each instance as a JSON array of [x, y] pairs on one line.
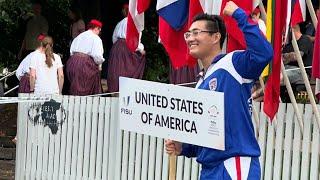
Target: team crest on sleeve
[[213, 84]]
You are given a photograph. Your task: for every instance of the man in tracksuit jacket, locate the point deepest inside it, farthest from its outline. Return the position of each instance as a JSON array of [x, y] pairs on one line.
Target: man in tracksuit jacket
[[234, 74]]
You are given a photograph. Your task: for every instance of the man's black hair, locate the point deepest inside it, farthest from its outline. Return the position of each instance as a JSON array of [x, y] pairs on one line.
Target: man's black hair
[[213, 23]]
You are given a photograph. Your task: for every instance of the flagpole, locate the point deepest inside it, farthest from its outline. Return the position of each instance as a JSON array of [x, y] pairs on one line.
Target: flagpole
[[254, 111], [305, 79], [256, 117], [292, 97], [264, 18], [263, 12], [312, 13]]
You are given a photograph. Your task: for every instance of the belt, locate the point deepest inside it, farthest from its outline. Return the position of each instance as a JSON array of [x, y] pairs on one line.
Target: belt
[[81, 54]]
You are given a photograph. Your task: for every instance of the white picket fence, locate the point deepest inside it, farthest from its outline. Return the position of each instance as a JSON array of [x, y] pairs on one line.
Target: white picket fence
[[90, 146]]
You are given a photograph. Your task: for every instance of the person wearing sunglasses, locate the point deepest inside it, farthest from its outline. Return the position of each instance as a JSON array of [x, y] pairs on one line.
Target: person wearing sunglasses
[[233, 74]]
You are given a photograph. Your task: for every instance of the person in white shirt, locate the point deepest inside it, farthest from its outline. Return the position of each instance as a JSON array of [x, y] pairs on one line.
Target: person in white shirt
[[46, 70], [83, 66], [23, 70], [123, 62]]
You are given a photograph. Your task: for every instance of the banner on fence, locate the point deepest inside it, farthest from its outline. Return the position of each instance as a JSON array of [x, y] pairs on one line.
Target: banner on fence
[[173, 112]]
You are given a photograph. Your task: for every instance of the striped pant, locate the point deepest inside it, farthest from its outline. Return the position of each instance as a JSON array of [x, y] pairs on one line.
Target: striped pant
[[235, 168]]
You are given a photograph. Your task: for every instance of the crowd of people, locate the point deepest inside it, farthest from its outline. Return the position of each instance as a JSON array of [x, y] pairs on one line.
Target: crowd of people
[[42, 72], [83, 68], [304, 33]]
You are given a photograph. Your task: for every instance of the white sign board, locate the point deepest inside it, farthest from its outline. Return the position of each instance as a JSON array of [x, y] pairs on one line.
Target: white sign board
[[172, 112]]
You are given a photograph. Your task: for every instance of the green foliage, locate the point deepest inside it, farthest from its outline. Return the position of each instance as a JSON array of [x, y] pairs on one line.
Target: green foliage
[[56, 12], [157, 65], [12, 15]]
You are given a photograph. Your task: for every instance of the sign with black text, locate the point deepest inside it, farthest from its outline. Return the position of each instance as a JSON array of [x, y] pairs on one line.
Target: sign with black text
[[174, 112]]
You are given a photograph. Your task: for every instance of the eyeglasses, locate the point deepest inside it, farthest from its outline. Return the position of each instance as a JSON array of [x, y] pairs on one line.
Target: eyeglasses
[[195, 33]]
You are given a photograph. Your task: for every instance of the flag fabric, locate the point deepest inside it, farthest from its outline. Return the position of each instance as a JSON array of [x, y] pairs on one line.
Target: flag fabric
[[298, 13], [272, 90], [135, 24], [195, 7], [205, 6], [236, 39], [142, 5], [316, 59], [173, 18], [174, 12], [173, 15]]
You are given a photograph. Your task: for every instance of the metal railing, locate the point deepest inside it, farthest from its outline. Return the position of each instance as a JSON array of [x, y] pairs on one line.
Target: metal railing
[[9, 74], [10, 90]]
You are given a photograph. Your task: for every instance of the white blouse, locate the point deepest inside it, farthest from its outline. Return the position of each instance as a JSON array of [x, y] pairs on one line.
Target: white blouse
[[46, 78], [88, 43], [120, 33], [24, 66], [120, 30]]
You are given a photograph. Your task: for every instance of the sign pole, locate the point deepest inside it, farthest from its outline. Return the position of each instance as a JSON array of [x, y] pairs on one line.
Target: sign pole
[[172, 167]]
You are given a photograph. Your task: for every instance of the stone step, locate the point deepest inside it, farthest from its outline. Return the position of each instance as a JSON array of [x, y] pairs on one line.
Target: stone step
[[7, 169], [6, 142], [7, 153]]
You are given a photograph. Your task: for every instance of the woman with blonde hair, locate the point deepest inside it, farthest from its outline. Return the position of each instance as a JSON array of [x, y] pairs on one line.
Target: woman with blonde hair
[[46, 72]]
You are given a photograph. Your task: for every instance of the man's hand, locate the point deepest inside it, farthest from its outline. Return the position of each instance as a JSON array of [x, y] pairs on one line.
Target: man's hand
[[257, 95], [173, 147], [230, 8]]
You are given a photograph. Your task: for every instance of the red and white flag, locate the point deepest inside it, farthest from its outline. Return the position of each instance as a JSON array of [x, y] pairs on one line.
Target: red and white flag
[[236, 39], [173, 23], [298, 13], [143, 5], [135, 23], [272, 89]]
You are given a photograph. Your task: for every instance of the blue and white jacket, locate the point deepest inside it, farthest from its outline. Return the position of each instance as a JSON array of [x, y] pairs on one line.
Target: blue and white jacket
[[234, 74]]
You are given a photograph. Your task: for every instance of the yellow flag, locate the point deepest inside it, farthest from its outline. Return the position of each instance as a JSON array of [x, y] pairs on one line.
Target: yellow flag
[[269, 32]]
